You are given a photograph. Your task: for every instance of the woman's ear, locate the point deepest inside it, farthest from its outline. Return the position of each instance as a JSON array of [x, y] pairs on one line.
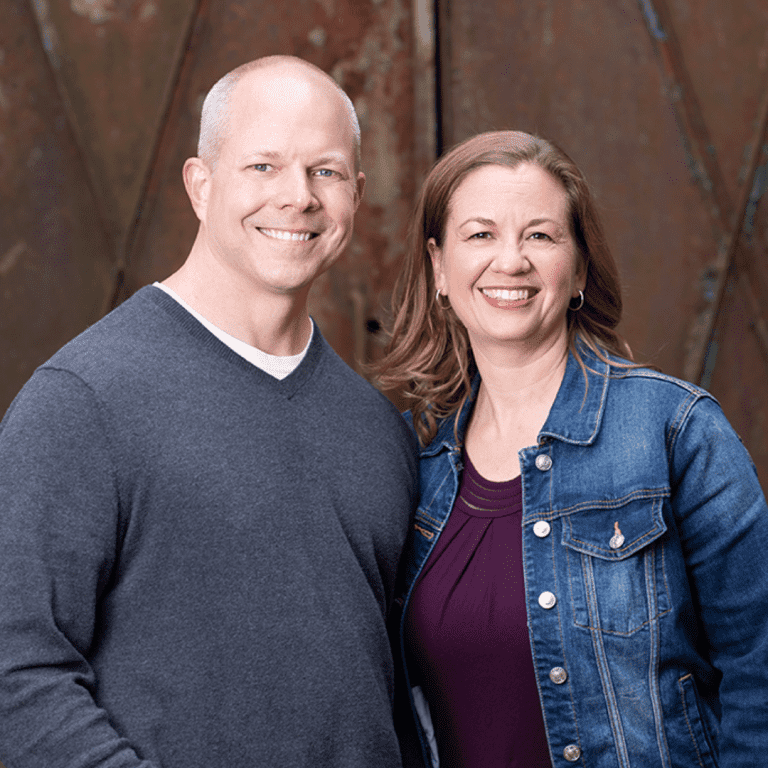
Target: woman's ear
[[197, 176], [436, 255]]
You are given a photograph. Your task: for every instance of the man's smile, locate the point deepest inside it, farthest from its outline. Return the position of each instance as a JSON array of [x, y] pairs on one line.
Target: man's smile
[[288, 234]]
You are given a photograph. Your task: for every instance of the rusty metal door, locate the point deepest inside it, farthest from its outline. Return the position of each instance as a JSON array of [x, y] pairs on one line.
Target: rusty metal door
[[99, 105], [662, 102]]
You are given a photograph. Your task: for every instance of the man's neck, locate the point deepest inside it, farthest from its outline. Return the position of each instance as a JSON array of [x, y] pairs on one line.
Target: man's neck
[[276, 324]]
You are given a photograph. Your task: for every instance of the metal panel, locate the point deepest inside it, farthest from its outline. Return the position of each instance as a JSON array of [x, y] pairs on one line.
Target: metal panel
[[54, 254], [645, 97], [367, 48]]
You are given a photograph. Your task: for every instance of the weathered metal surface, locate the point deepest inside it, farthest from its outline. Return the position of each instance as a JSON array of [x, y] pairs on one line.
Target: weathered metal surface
[[115, 63], [54, 255], [731, 223], [643, 95], [367, 47], [586, 76], [658, 100]]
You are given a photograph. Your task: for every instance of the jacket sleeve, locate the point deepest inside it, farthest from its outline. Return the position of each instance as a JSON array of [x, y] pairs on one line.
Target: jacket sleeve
[[723, 522], [58, 539]]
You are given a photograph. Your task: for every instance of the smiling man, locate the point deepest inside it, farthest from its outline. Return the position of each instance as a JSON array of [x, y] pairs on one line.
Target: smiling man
[[201, 506]]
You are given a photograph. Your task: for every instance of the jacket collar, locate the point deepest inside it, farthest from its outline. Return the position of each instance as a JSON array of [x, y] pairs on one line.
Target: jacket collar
[[575, 416]]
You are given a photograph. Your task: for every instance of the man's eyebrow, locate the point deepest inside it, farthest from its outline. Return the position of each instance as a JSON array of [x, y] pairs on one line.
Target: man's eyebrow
[[338, 158], [262, 154], [332, 157]]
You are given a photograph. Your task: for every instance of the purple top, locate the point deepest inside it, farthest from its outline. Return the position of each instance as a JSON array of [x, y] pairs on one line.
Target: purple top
[[467, 636]]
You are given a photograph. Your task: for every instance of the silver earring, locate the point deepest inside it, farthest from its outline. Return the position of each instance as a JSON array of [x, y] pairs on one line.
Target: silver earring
[[437, 296], [581, 303]]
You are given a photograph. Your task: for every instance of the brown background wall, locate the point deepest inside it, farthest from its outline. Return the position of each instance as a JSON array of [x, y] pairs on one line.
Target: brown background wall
[[662, 103]]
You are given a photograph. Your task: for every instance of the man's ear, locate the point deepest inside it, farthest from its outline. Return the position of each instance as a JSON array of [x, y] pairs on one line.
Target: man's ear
[[197, 178], [359, 188]]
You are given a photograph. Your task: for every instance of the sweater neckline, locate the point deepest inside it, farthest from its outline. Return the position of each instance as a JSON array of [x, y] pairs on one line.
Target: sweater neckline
[[287, 387]]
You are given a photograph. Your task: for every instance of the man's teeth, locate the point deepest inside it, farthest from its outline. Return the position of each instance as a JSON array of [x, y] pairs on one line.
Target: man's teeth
[[520, 294], [284, 234]]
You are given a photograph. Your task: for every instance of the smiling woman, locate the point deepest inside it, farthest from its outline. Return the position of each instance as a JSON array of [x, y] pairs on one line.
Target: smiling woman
[[574, 582], [507, 246]]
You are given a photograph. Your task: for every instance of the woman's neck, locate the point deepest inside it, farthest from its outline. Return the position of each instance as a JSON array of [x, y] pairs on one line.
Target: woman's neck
[[513, 402]]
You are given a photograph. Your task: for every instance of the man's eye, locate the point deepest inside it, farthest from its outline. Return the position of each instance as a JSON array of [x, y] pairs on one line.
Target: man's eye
[[325, 173], [263, 167]]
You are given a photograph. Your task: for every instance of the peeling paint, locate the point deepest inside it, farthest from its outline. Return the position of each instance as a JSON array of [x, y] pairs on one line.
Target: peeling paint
[[96, 11], [148, 11], [35, 155], [423, 24], [47, 32], [9, 259], [652, 20], [317, 37], [758, 190], [382, 188], [547, 35], [329, 6]]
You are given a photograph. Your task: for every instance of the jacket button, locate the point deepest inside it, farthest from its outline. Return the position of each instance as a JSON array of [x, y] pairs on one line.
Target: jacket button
[[547, 600], [571, 753], [541, 529], [543, 462], [558, 675]]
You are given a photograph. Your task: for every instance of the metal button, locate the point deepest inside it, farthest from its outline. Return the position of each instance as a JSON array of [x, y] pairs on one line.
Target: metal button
[[617, 540], [541, 529], [571, 753], [543, 462], [558, 675], [547, 600]]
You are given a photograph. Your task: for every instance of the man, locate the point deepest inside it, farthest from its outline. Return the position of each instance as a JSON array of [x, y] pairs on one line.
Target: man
[[201, 506]]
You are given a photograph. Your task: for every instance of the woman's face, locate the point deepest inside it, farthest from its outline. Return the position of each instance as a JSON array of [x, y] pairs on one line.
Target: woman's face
[[509, 264]]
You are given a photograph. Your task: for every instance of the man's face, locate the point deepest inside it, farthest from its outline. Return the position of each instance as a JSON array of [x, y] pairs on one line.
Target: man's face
[[278, 209]]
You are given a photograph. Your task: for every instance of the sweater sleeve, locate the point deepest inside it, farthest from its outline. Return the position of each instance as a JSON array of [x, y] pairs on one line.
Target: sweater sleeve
[[724, 525], [59, 534]]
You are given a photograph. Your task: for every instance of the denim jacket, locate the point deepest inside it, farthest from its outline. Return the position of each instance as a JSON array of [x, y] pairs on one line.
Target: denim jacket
[[645, 553]]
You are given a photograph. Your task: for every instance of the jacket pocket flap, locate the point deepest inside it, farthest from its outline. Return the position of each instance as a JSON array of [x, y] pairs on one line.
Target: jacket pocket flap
[[616, 530]]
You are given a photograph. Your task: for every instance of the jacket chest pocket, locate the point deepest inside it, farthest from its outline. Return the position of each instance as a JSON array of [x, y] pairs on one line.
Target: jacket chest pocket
[[616, 566]]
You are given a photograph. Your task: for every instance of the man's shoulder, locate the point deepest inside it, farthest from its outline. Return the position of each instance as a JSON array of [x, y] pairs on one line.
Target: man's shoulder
[[113, 342]]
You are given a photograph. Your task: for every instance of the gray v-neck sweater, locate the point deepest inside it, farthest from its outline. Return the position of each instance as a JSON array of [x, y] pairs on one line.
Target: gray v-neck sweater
[[196, 559]]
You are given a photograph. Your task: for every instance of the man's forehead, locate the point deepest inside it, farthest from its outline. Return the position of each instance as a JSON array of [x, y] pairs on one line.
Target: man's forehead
[[285, 102]]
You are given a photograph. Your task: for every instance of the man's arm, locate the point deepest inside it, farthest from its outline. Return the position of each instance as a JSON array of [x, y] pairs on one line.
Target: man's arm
[[59, 535]]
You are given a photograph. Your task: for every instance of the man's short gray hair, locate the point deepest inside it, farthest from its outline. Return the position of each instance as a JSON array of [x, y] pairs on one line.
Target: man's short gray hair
[[215, 114]]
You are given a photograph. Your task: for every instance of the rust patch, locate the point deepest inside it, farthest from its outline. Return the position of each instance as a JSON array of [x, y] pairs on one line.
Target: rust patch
[[96, 11], [10, 258]]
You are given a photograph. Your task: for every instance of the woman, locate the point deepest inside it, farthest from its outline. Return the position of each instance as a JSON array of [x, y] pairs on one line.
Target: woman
[[587, 579]]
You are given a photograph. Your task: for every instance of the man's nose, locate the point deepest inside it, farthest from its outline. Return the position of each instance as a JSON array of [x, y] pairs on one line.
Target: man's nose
[[295, 190]]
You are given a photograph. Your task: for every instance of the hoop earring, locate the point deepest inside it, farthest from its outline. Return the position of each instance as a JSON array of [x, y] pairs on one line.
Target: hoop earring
[[581, 303], [438, 294]]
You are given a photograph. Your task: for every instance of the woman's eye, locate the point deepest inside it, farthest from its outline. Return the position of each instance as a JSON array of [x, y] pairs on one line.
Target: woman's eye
[[480, 236], [540, 236]]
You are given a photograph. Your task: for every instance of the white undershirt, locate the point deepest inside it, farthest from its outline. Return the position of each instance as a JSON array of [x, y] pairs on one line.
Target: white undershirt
[[278, 366]]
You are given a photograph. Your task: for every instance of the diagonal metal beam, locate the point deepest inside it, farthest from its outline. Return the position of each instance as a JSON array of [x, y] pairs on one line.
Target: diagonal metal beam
[[727, 220], [703, 330], [173, 97]]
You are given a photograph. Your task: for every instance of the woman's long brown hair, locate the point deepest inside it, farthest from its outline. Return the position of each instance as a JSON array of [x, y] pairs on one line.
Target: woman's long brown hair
[[428, 360]]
